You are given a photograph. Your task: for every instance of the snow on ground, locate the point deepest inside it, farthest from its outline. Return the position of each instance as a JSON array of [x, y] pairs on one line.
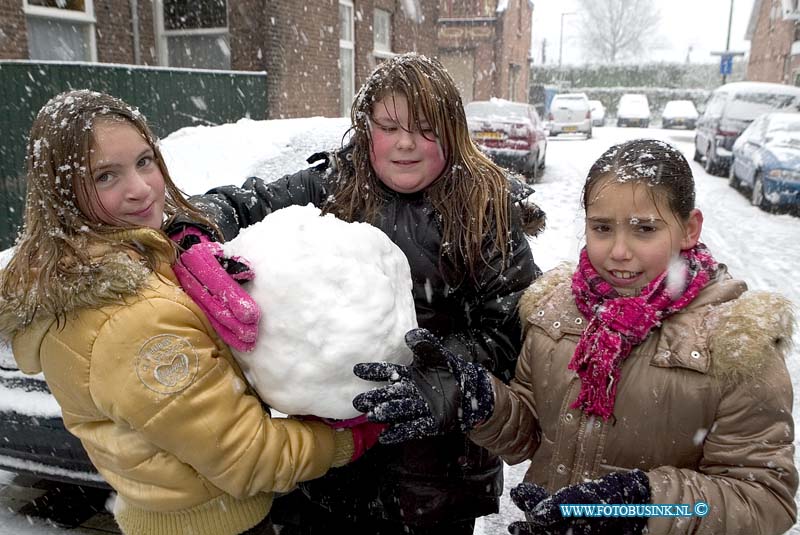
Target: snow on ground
[[758, 247]]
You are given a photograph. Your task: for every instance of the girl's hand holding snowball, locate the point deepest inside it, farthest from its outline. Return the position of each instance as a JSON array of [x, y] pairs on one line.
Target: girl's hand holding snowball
[[212, 281], [438, 393]]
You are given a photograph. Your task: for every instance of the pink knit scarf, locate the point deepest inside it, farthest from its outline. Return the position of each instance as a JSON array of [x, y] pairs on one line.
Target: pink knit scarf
[[618, 323]]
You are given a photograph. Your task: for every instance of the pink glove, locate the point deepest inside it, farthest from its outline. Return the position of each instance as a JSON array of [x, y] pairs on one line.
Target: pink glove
[[364, 437], [203, 272], [341, 424]]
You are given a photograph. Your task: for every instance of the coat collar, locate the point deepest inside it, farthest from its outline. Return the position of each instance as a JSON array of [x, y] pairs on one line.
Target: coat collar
[[116, 274], [682, 342]]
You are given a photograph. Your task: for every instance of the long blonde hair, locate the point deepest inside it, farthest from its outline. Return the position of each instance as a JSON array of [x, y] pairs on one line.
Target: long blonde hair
[[471, 195], [53, 248]]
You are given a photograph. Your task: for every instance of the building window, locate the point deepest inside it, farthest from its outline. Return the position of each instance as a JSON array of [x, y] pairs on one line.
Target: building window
[[193, 34], [61, 30], [382, 32], [346, 56]]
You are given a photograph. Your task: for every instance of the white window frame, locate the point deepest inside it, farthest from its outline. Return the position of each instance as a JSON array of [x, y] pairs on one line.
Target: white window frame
[[382, 50], [347, 47], [163, 35], [85, 18]]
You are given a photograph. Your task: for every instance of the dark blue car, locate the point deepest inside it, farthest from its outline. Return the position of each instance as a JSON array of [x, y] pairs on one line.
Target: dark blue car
[[766, 161]]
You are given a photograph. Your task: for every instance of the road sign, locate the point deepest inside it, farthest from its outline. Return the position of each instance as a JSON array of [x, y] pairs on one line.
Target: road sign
[[725, 64]]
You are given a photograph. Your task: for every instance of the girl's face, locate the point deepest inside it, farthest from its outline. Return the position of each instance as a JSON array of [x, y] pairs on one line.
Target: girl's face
[[630, 238], [406, 161], [128, 180]]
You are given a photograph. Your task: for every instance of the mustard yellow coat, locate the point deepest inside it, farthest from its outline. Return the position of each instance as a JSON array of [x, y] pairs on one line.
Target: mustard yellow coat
[[162, 409]]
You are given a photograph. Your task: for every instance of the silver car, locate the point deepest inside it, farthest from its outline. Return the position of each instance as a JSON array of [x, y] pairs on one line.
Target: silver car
[[570, 113]]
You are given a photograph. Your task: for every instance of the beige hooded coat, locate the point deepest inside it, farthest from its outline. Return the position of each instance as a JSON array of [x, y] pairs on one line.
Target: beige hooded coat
[[704, 407]]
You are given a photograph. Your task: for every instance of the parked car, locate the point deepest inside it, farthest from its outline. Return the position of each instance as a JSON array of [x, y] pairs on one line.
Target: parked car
[[766, 161], [598, 113], [510, 133], [570, 113], [679, 114], [729, 110], [633, 110]]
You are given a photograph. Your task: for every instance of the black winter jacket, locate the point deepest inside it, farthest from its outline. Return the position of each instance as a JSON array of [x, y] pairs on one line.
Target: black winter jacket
[[439, 478]]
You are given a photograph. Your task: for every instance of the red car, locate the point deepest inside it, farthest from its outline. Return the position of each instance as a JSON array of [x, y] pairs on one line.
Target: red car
[[510, 133]]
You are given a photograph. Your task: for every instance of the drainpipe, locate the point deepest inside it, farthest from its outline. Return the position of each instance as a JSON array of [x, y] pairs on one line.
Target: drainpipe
[[137, 56]]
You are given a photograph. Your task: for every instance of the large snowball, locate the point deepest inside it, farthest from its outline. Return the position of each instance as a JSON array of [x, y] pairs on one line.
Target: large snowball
[[332, 294]]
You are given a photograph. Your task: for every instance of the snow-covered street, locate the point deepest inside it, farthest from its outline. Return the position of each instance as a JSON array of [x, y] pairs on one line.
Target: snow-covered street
[[758, 247]]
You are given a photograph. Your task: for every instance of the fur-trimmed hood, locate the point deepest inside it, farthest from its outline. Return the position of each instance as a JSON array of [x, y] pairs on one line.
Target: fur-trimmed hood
[[112, 277]]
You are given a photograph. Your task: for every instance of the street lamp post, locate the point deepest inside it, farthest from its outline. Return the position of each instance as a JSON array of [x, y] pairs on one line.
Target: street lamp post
[[561, 37], [728, 40]]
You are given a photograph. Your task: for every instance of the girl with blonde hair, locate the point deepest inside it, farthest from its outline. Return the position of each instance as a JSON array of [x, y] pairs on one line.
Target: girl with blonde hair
[[90, 299]]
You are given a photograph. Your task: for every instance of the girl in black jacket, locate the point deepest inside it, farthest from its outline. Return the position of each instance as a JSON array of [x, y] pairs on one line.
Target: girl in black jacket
[[410, 169]]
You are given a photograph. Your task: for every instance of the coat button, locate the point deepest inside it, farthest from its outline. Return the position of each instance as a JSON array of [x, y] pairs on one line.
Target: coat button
[[568, 417], [556, 324], [578, 321], [597, 423], [695, 354], [540, 313], [561, 469]]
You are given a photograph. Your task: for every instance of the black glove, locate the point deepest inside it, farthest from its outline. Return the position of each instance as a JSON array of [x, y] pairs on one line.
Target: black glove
[[316, 157], [544, 515], [438, 393]]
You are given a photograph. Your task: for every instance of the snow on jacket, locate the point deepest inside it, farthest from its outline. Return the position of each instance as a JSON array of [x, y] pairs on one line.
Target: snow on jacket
[[704, 406], [160, 406], [427, 480]]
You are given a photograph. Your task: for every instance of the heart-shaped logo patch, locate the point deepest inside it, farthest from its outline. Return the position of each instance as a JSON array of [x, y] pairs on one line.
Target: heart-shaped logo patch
[[167, 363]]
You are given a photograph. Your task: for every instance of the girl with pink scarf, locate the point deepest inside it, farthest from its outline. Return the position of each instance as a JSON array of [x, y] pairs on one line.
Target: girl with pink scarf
[[648, 375]]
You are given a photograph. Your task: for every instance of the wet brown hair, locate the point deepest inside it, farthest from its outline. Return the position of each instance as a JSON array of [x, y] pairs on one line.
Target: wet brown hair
[[53, 247], [471, 194], [651, 162]]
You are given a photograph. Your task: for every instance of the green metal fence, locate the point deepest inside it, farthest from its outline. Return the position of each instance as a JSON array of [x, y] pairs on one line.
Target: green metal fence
[[169, 98]]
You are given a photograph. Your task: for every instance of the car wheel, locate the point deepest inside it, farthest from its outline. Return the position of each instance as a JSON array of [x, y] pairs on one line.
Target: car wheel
[[710, 165], [532, 172], [757, 195], [733, 180], [697, 156], [589, 134]]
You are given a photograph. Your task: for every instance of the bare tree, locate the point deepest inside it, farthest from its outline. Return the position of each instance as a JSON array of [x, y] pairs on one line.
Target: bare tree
[[615, 30]]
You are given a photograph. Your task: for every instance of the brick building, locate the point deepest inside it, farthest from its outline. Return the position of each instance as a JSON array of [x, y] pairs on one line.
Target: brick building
[[316, 53], [485, 45], [774, 34]]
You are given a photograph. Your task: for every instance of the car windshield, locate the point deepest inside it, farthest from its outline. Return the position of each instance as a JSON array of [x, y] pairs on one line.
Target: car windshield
[[746, 106], [497, 110], [784, 131]]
